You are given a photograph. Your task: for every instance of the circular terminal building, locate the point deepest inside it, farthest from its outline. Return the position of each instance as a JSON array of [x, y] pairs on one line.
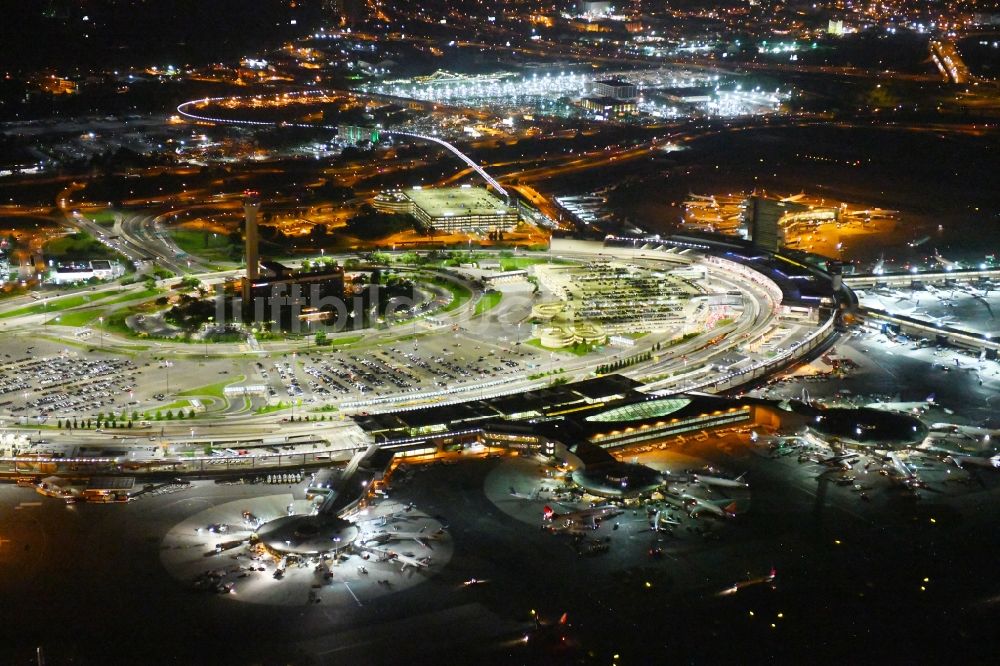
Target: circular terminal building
[[308, 535], [326, 530], [869, 427]]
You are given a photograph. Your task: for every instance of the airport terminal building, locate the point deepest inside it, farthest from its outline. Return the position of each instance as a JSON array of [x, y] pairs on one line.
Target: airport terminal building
[[606, 412]]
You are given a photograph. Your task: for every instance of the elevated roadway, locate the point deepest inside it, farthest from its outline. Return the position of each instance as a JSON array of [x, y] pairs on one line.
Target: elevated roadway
[[188, 111]]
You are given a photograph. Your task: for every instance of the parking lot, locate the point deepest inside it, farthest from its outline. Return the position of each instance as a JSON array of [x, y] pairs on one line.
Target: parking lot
[[64, 383], [398, 367]]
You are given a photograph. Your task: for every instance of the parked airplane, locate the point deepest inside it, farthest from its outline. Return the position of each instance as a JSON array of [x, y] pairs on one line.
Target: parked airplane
[[844, 460], [531, 497], [414, 562], [948, 264], [939, 321], [722, 482], [419, 537], [585, 518], [724, 508], [659, 519], [902, 472], [975, 461], [550, 633]]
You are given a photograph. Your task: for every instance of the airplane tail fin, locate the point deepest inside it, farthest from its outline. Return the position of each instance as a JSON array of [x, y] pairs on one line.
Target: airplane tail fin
[[564, 619]]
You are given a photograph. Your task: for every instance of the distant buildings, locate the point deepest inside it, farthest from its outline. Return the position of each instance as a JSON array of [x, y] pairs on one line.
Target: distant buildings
[[615, 88], [986, 18], [594, 7], [608, 107], [4, 264]]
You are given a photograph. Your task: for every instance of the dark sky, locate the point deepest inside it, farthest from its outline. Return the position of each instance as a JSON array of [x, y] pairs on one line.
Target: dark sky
[[40, 33]]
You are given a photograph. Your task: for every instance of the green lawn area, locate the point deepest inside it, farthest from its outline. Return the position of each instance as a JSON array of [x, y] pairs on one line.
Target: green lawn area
[[268, 409], [459, 294], [213, 390], [205, 244], [115, 323], [105, 218], [517, 263], [489, 301], [88, 315], [335, 342], [58, 304], [78, 246], [141, 294], [75, 318], [177, 404], [579, 350]]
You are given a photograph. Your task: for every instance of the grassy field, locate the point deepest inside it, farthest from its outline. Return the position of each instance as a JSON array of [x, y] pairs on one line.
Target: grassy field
[[79, 246], [205, 244], [349, 340], [216, 390], [115, 323], [142, 294], [489, 301], [517, 263], [459, 294], [269, 409], [88, 315], [59, 304], [105, 218], [579, 350], [75, 318]]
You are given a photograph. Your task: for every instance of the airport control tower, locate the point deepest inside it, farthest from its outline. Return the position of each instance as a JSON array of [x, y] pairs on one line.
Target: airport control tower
[[251, 209]]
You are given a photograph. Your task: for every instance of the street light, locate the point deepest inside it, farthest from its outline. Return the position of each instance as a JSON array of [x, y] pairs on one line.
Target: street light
[[207, 329]]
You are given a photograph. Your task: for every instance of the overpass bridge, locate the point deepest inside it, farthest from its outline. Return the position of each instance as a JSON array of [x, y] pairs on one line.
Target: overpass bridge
[[187, 110], [945, 54]]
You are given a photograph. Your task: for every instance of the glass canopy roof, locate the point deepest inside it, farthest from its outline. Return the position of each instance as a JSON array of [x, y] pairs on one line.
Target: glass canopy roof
[[641, 410]]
